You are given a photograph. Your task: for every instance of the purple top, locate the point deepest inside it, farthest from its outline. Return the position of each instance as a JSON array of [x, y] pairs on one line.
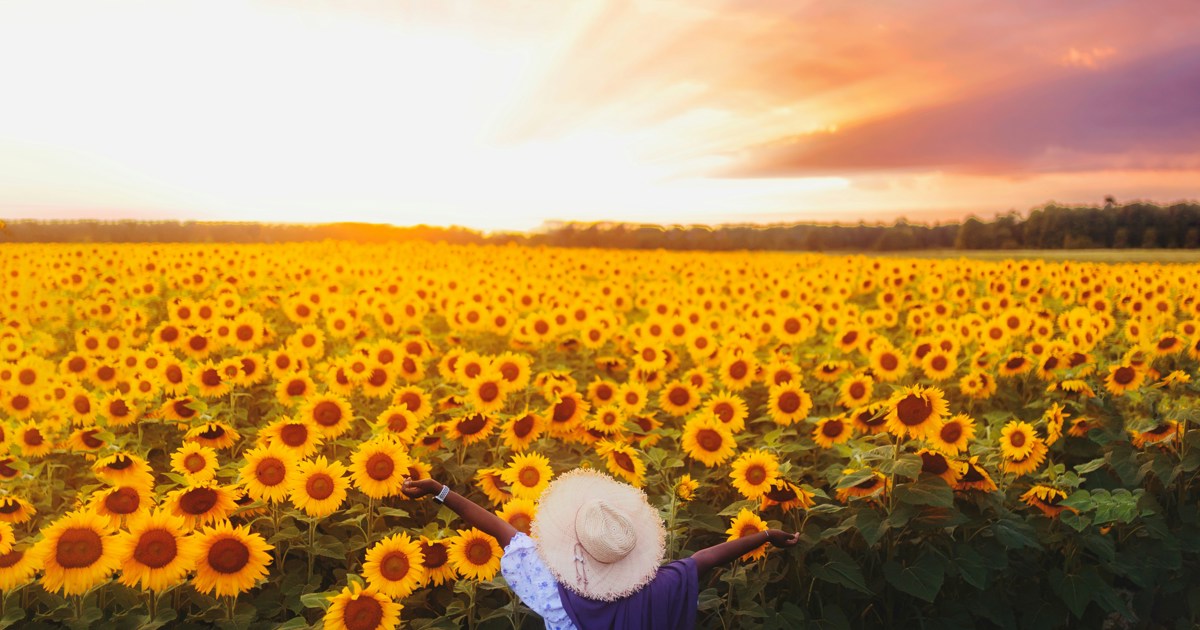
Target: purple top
[[669, 601]]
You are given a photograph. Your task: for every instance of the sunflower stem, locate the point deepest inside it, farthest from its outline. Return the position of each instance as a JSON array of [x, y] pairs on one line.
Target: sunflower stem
[[312, 536], [152, 604], [370, 519], [230, 606]]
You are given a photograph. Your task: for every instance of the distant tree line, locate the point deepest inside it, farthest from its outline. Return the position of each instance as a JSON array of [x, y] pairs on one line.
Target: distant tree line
[[1140, 225]]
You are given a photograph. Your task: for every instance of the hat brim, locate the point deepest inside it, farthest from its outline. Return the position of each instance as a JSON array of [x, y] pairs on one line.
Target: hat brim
[[554, 534]]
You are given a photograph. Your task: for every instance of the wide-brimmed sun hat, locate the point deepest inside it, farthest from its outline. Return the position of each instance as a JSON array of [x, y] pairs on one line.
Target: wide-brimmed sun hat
[[599, 537]]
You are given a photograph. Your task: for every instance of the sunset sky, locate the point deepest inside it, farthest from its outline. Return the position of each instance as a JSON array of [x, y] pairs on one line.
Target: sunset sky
[[503, 114]]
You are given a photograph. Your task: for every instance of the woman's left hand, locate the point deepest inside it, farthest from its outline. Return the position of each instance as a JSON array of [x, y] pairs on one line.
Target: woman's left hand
[[420, 488]]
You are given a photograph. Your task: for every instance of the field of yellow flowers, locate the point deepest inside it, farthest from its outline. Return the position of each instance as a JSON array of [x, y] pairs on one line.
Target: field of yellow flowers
[[215, 435]]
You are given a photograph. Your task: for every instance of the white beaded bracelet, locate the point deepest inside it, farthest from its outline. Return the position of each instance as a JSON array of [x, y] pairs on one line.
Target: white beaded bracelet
[[441, 496]]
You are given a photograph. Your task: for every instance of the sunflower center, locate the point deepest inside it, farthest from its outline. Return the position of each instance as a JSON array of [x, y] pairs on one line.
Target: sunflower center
[[857, 390], [913, 410], [89, 438], [939, 362], [244, 333], [122, 501], [194, 462], [624, 461], [327, 413], [1166, 342], [631, 398], [723, 411], [20, 402], [212, 433], [756, 474], [270, 472], [709, 440], [789, 402], [564, 410], [9, 507], [832, 428], [850, 337], [781, 494], [198, 501], [82, 404], [296, 387], [488, 392], [1015, 363], [9, 559], [523, 426], [972, 475], [934, 463], [738, 370], [889, 362], [679, 396], [181, 408], [411, 400], [1017, 439], [472, 424], [228, 556], [1124, 375], [478, 552], [33, 437], [471, 370], [78, 547], [397, 423], [521, 522], [435, 555], [363, 613], [378, 378], [294, 435], [380, 466], [529, 477], [210, 378], [106, 373], [951, 431], [156, 548], [319, 486]]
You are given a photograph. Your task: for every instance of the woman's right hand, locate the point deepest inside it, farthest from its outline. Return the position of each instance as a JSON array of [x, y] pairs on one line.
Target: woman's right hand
[[420, 488], [780, 538]]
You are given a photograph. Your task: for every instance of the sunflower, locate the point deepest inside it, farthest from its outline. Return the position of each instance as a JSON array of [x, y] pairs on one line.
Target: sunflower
[[1055, 417], [319, 487], [299, 436], [475, 555], [686, 488], [1164, 434], [650, 356], [1046, 499], [32, 439], [855, 391], [295, 386], [201, 504], [395, 565], [415, 400], [123, 468], [1081, 426], [608, 420], [488, 391], [937, 464], [268, 472], [566, 413], [754, 472], [155, 553], [17, 568], [117, 505], [1029, 463], [830, 431], [699, 379], [1017, 440], [378, 467], [14, 509], [622, 461], [954, 434], [84, 440], [781, 371], [217, 435], [514, 368], [830, 371], [707, 440], [747, 523], [195, 462], [210, 382], [729, 408], [1122, 378], [737, 371], [977, 384], [398, 422], [519, 513], [1168, 343], [471, 428], [331, 414], [887, 363], [356, 608], [916, 411], [678, 398], [787, 496], [521, 430], [76, 552], [491, 482], [7, 537], [789, 403], [872, 418], [632, 396], [527, 475], [1015, 364], [939, 365], [873, 486], [229, 560]]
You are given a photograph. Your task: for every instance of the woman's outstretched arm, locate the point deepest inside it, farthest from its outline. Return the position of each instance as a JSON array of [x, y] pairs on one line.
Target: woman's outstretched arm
[[474, 515], [725, 552]]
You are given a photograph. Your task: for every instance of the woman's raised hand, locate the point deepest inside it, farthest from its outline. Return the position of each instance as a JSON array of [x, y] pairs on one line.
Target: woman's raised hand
[[420, 488], [780, 538]]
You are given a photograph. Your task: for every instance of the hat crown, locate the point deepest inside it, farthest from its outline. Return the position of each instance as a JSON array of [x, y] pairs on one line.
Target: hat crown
[[604, 531]]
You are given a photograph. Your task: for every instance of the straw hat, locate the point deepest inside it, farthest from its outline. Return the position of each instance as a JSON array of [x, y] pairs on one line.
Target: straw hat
[[599, 537]]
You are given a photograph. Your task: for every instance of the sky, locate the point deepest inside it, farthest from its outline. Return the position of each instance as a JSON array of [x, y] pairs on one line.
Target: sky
[[507, 114]]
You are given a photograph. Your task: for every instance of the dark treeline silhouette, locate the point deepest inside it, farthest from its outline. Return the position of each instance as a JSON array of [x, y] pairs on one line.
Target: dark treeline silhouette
[[1140, 225]]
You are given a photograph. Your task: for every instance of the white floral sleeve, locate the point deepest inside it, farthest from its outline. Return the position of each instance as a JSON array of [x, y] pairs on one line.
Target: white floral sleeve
[[529, 578]]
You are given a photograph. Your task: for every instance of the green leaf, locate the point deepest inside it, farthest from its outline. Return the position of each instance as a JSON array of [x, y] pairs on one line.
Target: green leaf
[[1092, 466], [921, 579], [932, 491], [840, 569], [1074, 590], [317, 600], [870, 525], [1015, 534], [971, 566], [907, 466], [855, 478], [294, 623], [1077, 522]]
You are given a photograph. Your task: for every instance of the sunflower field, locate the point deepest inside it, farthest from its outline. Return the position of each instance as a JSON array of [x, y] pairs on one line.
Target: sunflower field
[[215, 435]]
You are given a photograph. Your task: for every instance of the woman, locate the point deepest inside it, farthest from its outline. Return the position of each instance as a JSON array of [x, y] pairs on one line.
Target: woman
[[594, 559]]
